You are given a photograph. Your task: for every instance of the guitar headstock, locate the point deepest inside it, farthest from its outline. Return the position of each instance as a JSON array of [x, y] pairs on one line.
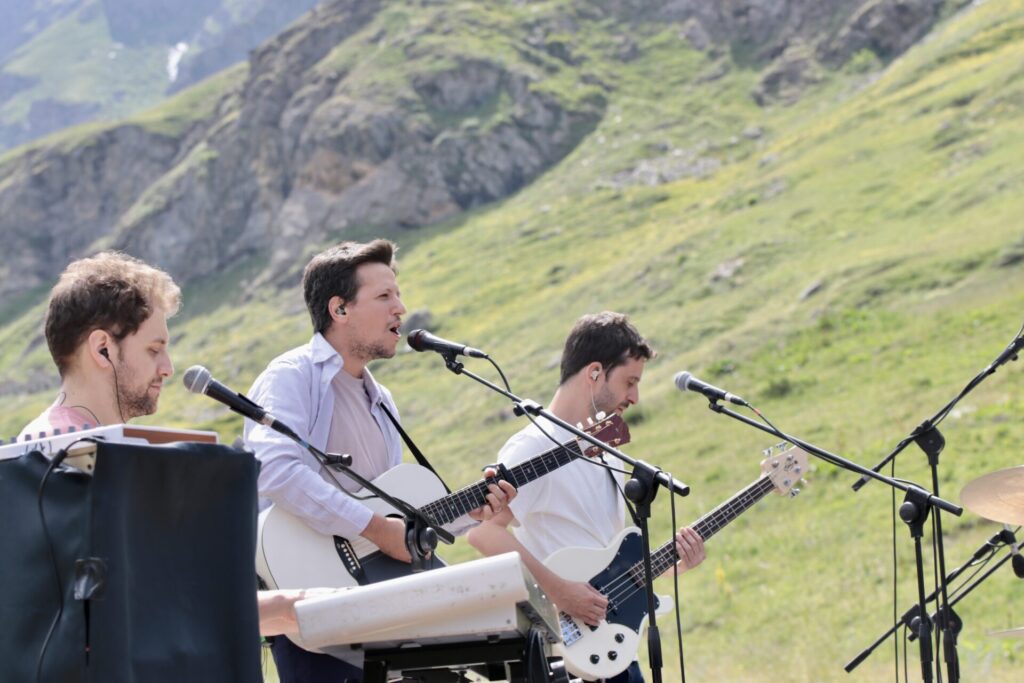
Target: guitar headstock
[[612, 430], [784, 465]]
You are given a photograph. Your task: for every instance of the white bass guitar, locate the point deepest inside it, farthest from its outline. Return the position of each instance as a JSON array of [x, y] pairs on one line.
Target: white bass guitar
[[617, 571]]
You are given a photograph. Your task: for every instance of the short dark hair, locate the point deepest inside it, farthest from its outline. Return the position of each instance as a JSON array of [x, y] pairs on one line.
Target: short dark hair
[[333, 273], [110, 291], [607, 338]]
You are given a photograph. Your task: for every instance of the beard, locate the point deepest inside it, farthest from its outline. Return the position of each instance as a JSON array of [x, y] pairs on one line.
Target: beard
[[372, 350], [605, 401], [133, 400]]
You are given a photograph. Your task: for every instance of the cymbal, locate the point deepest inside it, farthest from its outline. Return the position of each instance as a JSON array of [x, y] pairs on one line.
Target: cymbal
[[998, 495], [1009, 633]]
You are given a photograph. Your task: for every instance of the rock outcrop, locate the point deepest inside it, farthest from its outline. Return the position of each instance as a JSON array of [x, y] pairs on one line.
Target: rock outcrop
[[358, 118]]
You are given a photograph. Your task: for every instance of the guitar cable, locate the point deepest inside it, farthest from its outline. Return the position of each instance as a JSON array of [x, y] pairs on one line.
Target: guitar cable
[[675, 586], [57, 459]]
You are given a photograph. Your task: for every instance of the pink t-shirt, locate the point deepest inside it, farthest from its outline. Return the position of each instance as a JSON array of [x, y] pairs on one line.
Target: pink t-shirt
[[58, 417]]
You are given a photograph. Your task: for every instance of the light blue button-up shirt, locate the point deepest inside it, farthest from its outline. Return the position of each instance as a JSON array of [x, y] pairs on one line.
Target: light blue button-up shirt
[[296, 389]]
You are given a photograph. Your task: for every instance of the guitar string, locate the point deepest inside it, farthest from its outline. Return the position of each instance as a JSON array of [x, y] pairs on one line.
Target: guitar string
[[474, 493], [667, 551], [750, 496], [462, 501]]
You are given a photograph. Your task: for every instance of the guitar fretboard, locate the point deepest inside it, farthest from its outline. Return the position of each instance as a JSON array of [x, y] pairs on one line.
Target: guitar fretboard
[[707, 526], [449, 508]]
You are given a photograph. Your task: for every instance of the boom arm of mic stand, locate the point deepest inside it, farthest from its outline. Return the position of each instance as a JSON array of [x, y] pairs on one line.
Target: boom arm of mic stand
[[341, 464], [837, 460], [1009, 354], [526, 406]]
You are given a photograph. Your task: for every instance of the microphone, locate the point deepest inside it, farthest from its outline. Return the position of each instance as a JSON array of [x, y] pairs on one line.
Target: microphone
[[421, 340], [685, 381], [199, 381]]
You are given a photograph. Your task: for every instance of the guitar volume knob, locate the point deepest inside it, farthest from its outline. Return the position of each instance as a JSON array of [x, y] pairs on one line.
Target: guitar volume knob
[[619, 638], [613, 655], [594, 659]]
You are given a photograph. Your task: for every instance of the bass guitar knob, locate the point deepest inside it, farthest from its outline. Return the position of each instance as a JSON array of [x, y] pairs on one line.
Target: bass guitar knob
[[594, 659], [619, 638], [613, 655]]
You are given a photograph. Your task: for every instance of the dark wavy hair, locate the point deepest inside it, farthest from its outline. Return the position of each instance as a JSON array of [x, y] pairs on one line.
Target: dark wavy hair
[[333, 273], [607, 338]]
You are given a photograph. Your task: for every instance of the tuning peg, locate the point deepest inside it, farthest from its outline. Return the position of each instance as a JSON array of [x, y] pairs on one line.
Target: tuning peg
[[601, 415], [793, 493], [579, 425]]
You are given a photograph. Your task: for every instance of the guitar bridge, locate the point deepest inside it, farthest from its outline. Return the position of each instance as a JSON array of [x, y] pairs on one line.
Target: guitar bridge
[[349, 559]]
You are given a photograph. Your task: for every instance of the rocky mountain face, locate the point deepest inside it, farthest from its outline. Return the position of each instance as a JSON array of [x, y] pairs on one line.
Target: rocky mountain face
[[65, 62], [373, 115]]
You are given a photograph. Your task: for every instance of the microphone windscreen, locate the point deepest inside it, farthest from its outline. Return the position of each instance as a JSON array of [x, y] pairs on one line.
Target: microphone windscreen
[[196, 379], [682, 380], [415, 340]]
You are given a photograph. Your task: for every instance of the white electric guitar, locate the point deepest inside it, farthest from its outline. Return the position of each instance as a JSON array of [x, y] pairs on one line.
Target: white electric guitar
[[617, 571], [289, 554]]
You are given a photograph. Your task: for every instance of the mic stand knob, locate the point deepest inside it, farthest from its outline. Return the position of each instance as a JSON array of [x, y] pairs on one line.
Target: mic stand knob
[[421, 541]]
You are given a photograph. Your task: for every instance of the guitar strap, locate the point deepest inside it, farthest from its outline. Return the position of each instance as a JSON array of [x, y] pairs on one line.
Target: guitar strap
[[416, 453], [629, 506]]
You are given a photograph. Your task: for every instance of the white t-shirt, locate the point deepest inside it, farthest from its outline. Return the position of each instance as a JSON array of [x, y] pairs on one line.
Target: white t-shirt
[[576, 505], [355, 431]]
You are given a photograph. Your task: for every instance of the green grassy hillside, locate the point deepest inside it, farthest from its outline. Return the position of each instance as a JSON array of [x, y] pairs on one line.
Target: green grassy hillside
[[895, 196]]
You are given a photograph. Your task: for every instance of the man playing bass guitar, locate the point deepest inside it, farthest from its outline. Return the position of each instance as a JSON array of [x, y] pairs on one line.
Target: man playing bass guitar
[[582, 503]]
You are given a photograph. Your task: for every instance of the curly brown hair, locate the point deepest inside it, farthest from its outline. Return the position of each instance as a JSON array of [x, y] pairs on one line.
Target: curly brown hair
[[109, 291]]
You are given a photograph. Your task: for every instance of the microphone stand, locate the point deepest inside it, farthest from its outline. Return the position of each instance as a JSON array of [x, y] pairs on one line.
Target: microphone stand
[[641, 489], [914, 512], [1001, 540], [930, 440], [421, 532]]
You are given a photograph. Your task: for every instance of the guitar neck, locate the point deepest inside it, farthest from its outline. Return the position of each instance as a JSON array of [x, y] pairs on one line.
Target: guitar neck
[[707, 526], [449, 508]]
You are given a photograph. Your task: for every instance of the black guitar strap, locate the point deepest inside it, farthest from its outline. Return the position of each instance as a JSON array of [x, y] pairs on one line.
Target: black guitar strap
[[416, 453], [629, 505]]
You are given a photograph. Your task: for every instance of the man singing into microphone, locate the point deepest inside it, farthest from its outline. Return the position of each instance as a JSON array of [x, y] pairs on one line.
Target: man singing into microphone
[[581, 504], [325, 392]]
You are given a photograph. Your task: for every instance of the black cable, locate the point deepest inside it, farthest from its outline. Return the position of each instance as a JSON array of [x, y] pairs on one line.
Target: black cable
[[937, 628], [895, 578], [504, 379], [57, 459], [117, 386], [675, 585], [906, 644]]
